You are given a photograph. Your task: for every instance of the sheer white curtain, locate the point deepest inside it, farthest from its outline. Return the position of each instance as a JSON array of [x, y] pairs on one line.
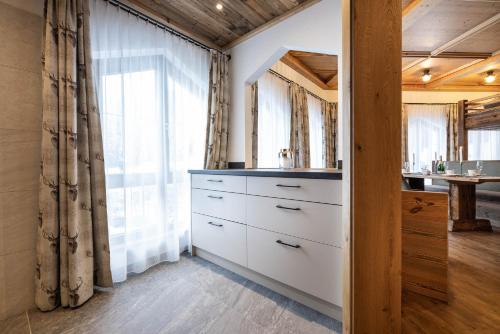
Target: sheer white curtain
[[152, 91], [484, 145], [426, 133], [315, 131], [274, 119]]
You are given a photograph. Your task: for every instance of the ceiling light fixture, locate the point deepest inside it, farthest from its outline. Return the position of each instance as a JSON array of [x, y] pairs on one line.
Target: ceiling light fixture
[[427, 75], [218, 6], [490, 77]]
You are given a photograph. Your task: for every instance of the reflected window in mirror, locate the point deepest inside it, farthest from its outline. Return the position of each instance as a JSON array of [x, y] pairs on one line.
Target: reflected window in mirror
[[315, 131], [274, 119]]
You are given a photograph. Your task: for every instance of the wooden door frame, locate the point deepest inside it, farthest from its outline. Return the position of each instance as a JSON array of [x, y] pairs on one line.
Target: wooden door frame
[[371, 81]]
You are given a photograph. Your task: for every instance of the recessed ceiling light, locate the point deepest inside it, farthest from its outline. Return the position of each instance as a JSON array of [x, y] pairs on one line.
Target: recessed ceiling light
[[490, 77], [218, 6], [426, 76]]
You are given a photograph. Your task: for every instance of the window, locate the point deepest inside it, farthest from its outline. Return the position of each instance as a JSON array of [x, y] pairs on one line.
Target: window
[[484, 145], [315, 131], [274, 119], [152, 89], [426, 133]]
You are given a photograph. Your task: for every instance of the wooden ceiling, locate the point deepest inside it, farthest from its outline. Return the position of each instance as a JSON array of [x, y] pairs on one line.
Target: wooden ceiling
[[320, 68], [221, 27], [456, 40]]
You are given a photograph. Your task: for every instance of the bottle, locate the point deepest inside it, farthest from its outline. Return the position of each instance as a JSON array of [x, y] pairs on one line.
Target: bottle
[[440, 165]]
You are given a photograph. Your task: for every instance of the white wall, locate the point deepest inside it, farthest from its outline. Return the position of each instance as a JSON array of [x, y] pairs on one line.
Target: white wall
[[291, 74], [315, 29]]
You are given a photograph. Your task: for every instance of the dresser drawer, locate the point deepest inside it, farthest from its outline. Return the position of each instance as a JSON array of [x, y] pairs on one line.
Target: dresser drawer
[[219, 204], [220, 237], [313, 221], [230, 183], [312, 267], [322, 191]]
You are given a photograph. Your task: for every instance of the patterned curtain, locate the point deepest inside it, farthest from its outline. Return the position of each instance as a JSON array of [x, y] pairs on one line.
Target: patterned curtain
[[452, 132], [329, 127], [218, 112], [72, 251], [299, 127], [404, 134], [254, 101]]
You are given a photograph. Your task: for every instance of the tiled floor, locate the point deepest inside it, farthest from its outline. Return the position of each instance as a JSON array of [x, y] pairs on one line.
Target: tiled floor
[[191, 296]]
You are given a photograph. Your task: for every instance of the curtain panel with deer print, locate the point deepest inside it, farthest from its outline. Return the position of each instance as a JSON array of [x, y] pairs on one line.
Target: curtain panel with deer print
[[218, 112], [72, 251]]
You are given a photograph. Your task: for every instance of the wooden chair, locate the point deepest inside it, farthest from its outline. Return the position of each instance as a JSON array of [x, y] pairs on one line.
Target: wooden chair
[[425, 243]]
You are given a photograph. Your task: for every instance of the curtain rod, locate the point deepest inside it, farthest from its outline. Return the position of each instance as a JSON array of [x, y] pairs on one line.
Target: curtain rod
[[290, 81], [157, 23]]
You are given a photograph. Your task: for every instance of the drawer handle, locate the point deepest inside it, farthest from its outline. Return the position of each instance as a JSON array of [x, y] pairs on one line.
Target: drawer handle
[[214, 224], [285, 244], [286, 208], [287, 186], [212, 180], [216, 197]]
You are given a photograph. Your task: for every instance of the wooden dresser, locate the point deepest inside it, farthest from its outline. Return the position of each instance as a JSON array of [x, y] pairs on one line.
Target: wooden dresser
[[280, 228]]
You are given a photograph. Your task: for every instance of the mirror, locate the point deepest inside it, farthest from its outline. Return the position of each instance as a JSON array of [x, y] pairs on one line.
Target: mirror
[[294, 107]]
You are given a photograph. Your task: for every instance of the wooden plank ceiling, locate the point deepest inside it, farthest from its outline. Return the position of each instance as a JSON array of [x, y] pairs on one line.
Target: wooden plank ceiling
[[456, 40], [320, 68], [221, 27]]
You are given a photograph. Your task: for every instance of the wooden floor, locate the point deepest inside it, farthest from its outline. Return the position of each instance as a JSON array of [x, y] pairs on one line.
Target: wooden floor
[[192, 296], [474, 290]]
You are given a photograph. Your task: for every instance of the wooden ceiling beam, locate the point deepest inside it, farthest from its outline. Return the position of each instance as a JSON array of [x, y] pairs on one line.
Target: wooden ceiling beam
[[452, 88], [299, 66], [462, 55], [415, 10], [469, 33], [473, 68], [411, 6], [332, 82]]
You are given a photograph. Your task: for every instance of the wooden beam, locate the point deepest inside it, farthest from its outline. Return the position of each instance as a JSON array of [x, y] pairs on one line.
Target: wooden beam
[[473, 68], [450, 88], [299, 66], [469, 33], [417, 11], [332, 82], [411, 6], [375, 140], [454, 55], [306, 4]]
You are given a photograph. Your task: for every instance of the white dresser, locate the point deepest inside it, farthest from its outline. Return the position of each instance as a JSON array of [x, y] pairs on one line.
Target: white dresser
[[284, 232]]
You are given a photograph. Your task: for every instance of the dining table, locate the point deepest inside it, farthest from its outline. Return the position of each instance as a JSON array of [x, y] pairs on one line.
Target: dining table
[[462, 198]]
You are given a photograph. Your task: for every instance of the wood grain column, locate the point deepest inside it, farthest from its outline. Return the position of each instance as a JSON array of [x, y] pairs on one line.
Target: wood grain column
[[375, 167]]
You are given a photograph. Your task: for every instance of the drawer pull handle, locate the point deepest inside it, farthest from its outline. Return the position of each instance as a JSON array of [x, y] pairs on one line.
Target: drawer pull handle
[[214, 224], [212, 180], [216, 197], [285, 244], [287, 186], [286, 208]]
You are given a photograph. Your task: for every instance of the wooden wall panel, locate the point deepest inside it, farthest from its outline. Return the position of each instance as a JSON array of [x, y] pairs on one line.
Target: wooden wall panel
[[375, 167], [425, 243]]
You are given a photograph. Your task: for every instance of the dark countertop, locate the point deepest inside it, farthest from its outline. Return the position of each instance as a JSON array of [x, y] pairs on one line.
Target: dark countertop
[[301, 173]]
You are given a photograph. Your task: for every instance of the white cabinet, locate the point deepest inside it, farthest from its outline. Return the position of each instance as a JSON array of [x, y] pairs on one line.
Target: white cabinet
[[220, 237], [311, 221], [312, 190], [305, 265], [286, 229], [219, 204]]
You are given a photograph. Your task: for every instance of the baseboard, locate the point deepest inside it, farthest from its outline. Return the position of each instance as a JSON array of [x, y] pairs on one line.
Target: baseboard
[[315, 303]]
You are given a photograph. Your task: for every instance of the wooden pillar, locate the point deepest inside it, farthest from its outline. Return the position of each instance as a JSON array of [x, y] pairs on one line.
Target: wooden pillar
[[463, 209], [374, 236], [462, 137]]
